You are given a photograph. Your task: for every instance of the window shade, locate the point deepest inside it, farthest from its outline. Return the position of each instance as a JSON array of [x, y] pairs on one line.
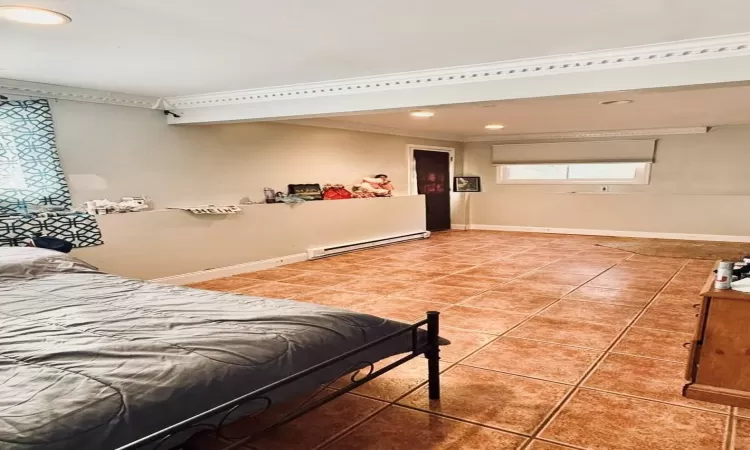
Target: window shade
[[575, 152]]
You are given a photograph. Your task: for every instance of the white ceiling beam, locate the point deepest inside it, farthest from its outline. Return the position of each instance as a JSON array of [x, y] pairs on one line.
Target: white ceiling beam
[[693, 62], [369, 128]]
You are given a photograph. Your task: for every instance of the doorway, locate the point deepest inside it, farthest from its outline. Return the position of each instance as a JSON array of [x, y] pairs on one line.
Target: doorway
[[431, 170]]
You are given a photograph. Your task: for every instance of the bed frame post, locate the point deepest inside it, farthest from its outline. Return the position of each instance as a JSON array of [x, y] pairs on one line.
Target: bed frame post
[[433, 354]]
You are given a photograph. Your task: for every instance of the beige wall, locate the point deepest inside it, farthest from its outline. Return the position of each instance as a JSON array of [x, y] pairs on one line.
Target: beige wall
[[158, 244], [113, 151], [700, 184]]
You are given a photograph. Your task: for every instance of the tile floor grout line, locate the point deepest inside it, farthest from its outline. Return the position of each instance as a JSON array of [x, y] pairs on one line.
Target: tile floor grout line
[[516, 278], [623, 394], [557, 343], [406, 393], [350, 428], [628, 327], [729, 432], [658, 329], [645, 357], [471, 422], [249, 445], [543, 425], [558, 443], [389, 404], [373, 414], [468, 248], [497, 337], [464, 364], [531, 316]]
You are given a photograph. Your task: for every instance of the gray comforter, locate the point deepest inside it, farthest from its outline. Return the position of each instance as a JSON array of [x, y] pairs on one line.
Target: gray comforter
[[90, 360]]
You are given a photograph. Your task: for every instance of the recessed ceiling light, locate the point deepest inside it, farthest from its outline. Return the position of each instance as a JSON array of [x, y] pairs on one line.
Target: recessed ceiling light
[[616, 102], [494, 126], [422, 114], [31, 15]]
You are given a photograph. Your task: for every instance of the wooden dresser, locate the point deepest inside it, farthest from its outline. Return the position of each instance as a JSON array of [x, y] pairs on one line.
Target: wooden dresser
[[718, 368]]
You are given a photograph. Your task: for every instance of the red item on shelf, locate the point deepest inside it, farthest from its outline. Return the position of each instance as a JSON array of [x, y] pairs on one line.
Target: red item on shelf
[[336, 193]]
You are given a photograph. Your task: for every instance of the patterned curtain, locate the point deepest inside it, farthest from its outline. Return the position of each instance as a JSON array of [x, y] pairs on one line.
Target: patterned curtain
[[30, 175], [30, 172]]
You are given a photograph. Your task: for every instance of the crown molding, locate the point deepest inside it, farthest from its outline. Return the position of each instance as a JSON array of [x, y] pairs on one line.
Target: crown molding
[[51, 91], [367, 128], [574, 135], [645, 55]]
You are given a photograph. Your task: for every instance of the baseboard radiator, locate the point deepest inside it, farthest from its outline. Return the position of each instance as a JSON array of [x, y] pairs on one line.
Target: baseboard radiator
[[322, 252]]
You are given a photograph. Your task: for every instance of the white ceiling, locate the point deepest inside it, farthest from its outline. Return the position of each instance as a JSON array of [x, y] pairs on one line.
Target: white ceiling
[[651, 109], [178, 47]]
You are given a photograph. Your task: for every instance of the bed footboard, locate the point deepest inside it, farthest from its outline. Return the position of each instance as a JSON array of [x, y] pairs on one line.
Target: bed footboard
[[433, 355], [430, 350]]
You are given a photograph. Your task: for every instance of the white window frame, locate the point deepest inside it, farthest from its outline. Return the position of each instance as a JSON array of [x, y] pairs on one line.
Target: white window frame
[[642, 176]]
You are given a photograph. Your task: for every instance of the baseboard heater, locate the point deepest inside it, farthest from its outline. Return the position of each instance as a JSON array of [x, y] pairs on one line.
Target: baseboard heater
[[322, 252]]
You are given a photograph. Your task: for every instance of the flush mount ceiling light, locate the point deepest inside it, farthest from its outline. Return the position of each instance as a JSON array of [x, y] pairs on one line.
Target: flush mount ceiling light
[[616, 102], [494, 126], [422, 114], [31, 15]]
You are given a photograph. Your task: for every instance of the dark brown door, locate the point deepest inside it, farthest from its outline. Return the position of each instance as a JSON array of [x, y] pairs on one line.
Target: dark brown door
[[433, 181]]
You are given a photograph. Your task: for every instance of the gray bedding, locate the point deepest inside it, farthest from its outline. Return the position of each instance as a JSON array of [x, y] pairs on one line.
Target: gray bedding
[[90, 360]]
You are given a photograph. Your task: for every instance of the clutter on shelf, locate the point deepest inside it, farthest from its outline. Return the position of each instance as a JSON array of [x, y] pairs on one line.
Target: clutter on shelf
[[125, 205], [307, 192], [377, 186], [210, 209], [357, 192], [269, 194], [335, 192]]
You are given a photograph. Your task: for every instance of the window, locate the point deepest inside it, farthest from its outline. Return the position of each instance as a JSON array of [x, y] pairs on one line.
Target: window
[[30, 172], [31, 177], [612, 173]]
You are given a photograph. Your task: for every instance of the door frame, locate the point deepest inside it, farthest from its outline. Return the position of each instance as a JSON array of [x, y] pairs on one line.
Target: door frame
[[412, 167]]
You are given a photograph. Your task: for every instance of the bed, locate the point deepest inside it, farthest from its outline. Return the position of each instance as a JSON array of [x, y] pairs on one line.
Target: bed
[[90, 360]]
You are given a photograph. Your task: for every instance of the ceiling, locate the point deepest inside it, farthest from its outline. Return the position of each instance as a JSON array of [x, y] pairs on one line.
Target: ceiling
[[177, 47], [651, 109]]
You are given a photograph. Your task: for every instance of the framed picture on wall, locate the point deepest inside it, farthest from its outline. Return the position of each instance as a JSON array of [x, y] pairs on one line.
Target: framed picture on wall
[[466, 184]]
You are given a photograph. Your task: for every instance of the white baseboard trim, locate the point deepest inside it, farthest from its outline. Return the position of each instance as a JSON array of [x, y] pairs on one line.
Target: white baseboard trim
[[460, 226], [221, 272], [614, 233]]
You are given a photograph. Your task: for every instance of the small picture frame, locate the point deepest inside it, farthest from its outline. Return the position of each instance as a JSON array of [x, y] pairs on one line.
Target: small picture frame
[[466, 184]]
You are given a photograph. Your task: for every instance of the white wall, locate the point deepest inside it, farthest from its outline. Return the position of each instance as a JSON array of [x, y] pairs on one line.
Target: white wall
[[113, 151], [700, 184]]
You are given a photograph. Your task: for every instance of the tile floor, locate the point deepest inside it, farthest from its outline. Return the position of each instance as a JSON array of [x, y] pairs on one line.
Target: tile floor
[[557, 344]]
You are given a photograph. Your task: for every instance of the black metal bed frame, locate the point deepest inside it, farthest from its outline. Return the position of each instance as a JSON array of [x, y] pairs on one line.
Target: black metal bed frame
[[430, 350]]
